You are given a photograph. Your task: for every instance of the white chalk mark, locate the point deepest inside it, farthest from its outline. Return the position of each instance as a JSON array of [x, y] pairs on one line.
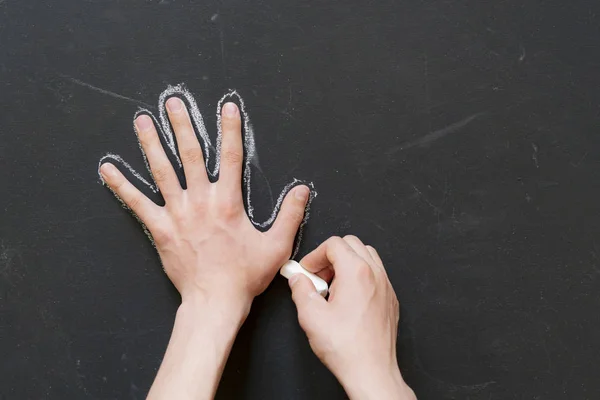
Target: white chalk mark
[[534, 156], [523, 54], [264, 178], [251, 157], [433, 136], [104, 91], [119, 159]]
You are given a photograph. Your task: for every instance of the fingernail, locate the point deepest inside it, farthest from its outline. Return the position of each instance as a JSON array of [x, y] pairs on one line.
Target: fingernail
[[143, 123], [174, 104], [301, 193], [230, 110], [108, 170], [292, 281]]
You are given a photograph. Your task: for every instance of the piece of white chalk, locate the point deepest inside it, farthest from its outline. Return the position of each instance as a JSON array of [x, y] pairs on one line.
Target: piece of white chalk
[[292, 267]]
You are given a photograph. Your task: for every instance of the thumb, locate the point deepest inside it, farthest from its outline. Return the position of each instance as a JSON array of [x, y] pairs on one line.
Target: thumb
[[309, 303], [290, 215]]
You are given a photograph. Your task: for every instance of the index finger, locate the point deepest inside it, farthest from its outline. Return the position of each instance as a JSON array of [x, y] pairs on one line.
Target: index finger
[[335, 254]]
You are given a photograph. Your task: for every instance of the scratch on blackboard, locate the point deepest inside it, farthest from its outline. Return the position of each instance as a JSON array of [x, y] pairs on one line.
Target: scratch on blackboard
[[222, 38], [578, 163], [104, 91], [422, 196], [90, 218], [427, 91], [433, 136]]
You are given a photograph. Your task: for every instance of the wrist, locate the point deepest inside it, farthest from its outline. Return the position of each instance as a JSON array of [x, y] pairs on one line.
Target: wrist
[[377, 384], [223, 313], [204, 331]]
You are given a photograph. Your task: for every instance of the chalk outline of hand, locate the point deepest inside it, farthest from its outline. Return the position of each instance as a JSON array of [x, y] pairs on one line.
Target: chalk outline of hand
[[163, 128]]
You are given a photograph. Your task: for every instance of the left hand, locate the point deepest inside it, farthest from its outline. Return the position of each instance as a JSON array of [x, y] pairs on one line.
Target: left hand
[[208, 246]]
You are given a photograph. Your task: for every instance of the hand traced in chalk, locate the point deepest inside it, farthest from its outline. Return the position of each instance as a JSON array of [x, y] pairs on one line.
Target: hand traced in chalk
[[208, 194]]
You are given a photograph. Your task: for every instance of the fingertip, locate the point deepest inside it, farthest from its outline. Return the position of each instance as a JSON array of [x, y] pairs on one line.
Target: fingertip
[[302, 289], [291, 214], [298, 281], [143, 123], [108, 171], [174, 105], [293, 280], [301, 193], [230, 110]]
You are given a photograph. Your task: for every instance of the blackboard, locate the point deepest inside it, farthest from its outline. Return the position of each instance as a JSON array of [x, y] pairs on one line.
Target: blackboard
[[460, 138]]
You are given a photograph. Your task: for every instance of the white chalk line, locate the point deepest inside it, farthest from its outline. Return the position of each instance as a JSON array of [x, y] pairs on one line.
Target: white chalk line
[[164, 129], [103, 91], [117, 158]]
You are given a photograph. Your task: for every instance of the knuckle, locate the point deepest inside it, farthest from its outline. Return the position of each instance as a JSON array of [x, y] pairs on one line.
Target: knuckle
[[337, 245], [296, 297], [146, 138], [161, 235], [335, 241], [231, 156], [351, 238], [353, 241], [364, 271], [160, 174], [295, 215], [200, 204], [179, 216], [191, 155], [117, 185], [134, 202], [229, 208]]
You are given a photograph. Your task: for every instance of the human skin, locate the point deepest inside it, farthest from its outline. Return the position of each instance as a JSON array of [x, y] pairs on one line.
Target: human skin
[[219, 263], [354, 331], [209, 249]]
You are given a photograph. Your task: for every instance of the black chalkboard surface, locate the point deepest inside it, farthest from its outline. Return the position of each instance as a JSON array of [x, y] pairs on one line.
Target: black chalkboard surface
[[458, 137]]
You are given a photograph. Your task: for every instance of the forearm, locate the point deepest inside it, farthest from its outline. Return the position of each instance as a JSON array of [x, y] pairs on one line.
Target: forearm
[[198, 349]]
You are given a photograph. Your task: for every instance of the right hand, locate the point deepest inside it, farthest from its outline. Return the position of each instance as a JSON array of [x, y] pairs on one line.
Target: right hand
[[353, 332]]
